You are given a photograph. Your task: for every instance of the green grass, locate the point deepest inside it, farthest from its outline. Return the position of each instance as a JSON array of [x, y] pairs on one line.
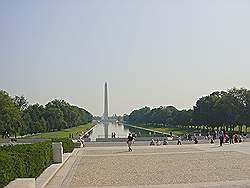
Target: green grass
[[76, 131], [175, 131]]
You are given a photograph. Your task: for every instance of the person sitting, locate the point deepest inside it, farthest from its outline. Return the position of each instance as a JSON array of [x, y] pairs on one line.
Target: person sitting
[[158, 142], [235, 138], [226, 137], [165, 141], [240, 139], [152, 143]]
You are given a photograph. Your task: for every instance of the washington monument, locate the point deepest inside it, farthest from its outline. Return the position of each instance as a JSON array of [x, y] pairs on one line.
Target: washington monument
[[106, 112]]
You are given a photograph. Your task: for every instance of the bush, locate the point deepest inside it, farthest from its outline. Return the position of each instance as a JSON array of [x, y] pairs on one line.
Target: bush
[[68, 145], [24, 161]]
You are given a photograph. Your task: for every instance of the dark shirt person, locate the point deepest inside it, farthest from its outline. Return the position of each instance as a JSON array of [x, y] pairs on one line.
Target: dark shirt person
[[195, 140], [130, 141], [231, 138], [221, 137]]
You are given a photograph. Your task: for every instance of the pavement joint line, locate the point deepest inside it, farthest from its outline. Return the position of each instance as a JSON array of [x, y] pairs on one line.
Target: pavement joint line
[[148, 146], [219, 184], [146, 154]]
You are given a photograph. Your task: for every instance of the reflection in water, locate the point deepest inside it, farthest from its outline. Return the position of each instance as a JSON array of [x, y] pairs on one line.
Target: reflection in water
[[105, 130]]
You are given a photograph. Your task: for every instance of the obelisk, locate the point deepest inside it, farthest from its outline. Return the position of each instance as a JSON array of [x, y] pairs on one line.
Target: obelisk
[[106, 113]]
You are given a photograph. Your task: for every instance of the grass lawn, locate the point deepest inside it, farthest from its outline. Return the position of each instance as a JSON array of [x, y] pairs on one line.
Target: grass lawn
[[182, 131], [65, 132], [175, 131]]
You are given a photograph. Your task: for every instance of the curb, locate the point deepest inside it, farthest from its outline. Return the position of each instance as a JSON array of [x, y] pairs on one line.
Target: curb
[[50, 172]]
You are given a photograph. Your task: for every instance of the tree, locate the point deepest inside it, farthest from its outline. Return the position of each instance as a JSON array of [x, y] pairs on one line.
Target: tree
[[34, 120], [10, 115], [21, 102], [54, 118], [243, 96]]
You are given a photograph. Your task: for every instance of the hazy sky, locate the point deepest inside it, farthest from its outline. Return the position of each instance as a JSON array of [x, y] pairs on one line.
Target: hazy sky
[[151, 52]]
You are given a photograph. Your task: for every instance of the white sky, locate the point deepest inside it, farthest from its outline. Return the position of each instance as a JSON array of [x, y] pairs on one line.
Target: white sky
[[151, 52]]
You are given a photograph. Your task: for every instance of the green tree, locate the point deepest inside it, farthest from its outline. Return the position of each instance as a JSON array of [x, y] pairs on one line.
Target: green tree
[[54, 118], [10, 115], [21, 102], [34, 120]]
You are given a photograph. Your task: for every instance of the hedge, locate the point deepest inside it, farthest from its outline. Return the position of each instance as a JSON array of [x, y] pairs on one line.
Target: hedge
[[24, 161], [68, 145]]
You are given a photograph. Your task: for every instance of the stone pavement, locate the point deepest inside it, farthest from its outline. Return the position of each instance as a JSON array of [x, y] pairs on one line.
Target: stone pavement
[[174, 166]]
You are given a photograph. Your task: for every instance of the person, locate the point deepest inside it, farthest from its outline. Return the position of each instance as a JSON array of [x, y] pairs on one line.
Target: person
[[165, 142], [230, 138], [240, 139], [214, 135], [235, 138], [82, 141], [179, 140], [226, 138], [211, 141], [189, 137], [195, 140], [114, 134], [221, 137], [133, 135], [152, 142], [245, 136], [130, 141], [158, 142]]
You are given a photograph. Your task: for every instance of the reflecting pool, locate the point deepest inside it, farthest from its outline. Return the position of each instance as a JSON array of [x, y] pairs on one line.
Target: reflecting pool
[[105, 130]]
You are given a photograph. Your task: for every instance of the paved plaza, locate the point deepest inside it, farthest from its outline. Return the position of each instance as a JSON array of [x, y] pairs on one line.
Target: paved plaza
[[201, 165]]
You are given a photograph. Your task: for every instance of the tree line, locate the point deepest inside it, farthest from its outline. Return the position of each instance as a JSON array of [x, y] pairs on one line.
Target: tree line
[[219, 110], [18, 117]]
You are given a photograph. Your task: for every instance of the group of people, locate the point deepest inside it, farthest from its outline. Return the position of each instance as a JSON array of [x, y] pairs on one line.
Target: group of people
[[158, 142], [222, 135], [230, 137]]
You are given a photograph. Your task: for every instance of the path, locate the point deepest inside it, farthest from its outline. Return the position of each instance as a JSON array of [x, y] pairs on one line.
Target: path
[[170, 166]]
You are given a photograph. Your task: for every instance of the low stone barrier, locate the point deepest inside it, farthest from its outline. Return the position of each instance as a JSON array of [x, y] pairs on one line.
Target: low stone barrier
[[57, 150], [125, 139], [22, 183], [31, 140]]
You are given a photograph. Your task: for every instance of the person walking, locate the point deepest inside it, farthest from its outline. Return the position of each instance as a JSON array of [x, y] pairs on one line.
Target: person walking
[[130, 141], [178, 140], [221, 137], [231, 138], [195, 140]]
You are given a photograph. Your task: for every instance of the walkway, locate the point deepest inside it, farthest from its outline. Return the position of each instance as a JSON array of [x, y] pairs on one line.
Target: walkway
[[170, 166]]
